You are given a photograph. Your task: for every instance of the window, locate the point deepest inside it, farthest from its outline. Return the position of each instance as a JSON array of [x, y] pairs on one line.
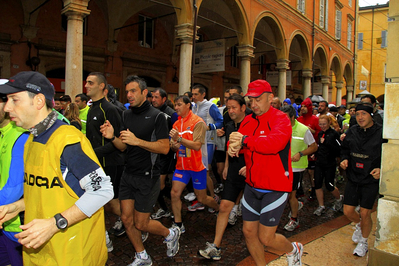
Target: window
[[146, 32], [384, 41], [338, 18], [349, 39], [301, 6], [350, 3], [234, 58], [360, 40], [323, 18]]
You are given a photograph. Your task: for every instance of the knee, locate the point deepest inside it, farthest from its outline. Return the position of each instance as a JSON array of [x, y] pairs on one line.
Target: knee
[[141, 225], [365, 214], [127, 220], [266, 241], [224, 207], [201, 198], [175, 194]]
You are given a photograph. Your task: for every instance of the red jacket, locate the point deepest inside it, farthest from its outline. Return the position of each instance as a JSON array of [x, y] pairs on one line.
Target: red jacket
[[267, 150], [309, 119]]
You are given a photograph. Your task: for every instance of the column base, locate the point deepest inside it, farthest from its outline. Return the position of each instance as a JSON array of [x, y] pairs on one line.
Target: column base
[[379, 257]]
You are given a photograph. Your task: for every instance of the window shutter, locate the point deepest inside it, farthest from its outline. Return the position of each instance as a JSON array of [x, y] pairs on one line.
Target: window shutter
[[338, 24], [360, 41], [326, 16], [349, 37], [321, 22], [384, 42]]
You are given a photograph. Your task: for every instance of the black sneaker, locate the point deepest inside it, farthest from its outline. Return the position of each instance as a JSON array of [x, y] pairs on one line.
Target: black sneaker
[[118, 228]]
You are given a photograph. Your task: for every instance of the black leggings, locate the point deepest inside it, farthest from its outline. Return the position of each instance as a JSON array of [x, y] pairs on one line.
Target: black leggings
[[326, 173]]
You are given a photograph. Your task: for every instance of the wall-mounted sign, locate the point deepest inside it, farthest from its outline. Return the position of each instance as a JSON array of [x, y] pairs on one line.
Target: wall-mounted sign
[[209, 56]]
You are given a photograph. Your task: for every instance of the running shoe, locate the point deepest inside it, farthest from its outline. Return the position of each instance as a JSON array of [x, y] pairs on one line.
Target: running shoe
[[292, 225], [196, 206], [141, 262], [118, 228], [108, 242], [182, 228], [239, 209], [295, 259], [173, 244], [361, 249], [357, 235], [160, 213], [219, 188], [338, 203], [233, 217], [319, 210], [144, 236], [190, 196], [211, 252], [300, 206]]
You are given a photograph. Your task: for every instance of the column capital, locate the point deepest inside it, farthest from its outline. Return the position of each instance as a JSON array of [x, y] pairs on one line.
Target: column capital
[[325, 79], [76, 9], [349, 88], [29, 31], [282, 64], [339, 84], [307, 73], [184, 33], [246, 51]]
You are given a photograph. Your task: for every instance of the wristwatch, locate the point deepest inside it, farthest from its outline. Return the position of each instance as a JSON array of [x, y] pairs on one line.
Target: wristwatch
[[301, 154], [243, 139], [60, 221], [179, 140]]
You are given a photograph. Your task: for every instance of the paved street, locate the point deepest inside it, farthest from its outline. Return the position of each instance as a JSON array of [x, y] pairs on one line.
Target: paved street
[[200, 228]]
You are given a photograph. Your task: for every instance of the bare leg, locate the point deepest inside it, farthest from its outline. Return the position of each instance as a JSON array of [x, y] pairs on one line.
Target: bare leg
[[114, 207], [255, 247], [351, 213], [221, 223], [205, 199], [175, 193], [366, 223], [335, 193], [293, 201], [209, 184], [320, 196]]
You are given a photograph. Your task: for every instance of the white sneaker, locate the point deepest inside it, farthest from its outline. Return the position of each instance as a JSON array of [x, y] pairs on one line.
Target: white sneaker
[[233, 217], [190, 196], [173, 244], [338, 203], [292, 225], [361, 249], [319, 210], [357, 235], [160, 213], [295, 259], [108, 242], [144, 236], [141, 262], [300, 206], [239, 209]]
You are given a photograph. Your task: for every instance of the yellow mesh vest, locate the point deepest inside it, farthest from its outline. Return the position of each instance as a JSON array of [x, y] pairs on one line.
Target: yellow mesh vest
[[46, 193]]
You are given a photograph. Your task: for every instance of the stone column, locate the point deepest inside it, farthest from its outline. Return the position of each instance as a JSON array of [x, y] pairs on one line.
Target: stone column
[[246, 52], [349, 93], [282, 66], [339, 85], [386, 246], [306, 85], [184, 33], [325, 81], [75, 10]]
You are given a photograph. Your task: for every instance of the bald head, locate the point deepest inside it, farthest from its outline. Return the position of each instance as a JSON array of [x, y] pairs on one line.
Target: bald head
[[276, 103]]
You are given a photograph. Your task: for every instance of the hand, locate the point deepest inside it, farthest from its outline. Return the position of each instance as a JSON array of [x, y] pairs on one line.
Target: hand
[[220, 132], [243, 171], [321, 140], [311, 130], [234, 150], [174, 134], [344, 164], [375, 173], [235, 137], [37, 232], [128, 137], [296, 157], [174, 145], [107, 130], [7, 212], [224, 174], [342, 137]]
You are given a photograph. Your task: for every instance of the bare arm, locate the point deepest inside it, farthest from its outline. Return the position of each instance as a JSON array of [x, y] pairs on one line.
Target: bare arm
[[9, 211], [108, 132]]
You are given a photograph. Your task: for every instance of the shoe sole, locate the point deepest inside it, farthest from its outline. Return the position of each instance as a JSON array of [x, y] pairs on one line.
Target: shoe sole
[[120, 233], [196, 209], [208, 257], [178, 246], [290, 230]]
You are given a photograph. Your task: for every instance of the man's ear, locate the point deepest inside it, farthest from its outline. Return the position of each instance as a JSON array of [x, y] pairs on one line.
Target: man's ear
[[40, 101]]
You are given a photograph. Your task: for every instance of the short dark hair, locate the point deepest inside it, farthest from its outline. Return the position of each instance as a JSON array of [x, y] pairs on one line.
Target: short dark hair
[[238, 98], [100, 77], [324, 101], [201, 89], [236, 87], [49, 103], [184, 98], [162, 92], [83, 97], [189, 93], [57, 99], [65, 98], [290, 110], [372, 98], [138, 80]]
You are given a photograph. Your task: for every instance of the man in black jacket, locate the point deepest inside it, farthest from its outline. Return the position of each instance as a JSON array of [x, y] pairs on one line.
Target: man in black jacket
[[361, 157]]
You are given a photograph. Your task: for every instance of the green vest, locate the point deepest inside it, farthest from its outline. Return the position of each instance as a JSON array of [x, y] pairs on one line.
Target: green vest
[[298, 144], [9, 135], [83, 117]]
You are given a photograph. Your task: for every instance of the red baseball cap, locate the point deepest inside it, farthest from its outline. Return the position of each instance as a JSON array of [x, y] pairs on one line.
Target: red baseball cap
[[258, 87]]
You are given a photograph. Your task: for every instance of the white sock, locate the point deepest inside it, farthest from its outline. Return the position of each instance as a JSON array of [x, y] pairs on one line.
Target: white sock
[[363, 240], [170, 236], [142, 255], [235, 208]]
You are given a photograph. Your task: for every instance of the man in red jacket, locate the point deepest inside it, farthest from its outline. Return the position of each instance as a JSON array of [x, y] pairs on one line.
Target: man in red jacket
[[265, 137]]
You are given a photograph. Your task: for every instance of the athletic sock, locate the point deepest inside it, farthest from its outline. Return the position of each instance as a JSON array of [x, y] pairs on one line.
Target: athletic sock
[[363, 240], [143, 255], [170, 236]]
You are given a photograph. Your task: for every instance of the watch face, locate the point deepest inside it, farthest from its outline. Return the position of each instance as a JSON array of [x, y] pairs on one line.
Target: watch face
[[62, 223]]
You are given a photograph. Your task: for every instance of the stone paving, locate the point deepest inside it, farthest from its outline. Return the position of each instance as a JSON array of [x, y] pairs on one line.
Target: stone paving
[[200, 228]]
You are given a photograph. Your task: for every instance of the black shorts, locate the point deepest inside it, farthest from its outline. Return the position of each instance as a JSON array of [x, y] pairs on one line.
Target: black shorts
[[326, 173], [297, 178], [142, 189], [219, 156], [233, 185], [167, 163], [311, 165], [266, 208], [115, 173], [363, 194]]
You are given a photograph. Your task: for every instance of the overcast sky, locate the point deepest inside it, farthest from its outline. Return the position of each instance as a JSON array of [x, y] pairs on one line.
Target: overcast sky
[[371, 2]]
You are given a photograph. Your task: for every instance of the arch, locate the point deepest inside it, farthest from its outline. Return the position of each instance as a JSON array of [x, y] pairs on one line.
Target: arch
[[348, 74], [320, 58], [336, 67], [298, 38], [275, 26]]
